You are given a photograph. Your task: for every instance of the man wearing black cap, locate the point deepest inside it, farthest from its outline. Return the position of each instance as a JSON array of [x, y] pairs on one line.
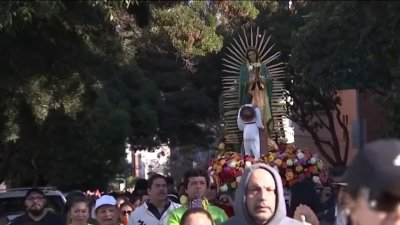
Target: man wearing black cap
[[35, 202], [374, 184]]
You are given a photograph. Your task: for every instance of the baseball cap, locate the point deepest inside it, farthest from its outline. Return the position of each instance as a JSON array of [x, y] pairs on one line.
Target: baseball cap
[[105, 200], [34, 191], [377, 168]]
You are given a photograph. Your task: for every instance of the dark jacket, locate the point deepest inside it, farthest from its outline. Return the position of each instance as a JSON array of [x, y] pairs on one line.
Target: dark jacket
[[242, 216]]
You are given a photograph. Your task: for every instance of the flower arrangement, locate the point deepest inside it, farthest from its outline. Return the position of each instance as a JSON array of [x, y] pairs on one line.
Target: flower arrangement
[[227, 168], [294, 165]]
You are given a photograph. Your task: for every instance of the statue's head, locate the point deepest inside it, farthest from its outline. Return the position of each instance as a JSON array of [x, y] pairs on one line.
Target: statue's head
[[252, 55]]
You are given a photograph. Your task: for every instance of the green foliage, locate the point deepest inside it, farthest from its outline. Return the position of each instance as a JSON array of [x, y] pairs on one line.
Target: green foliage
[[352, 43], [343, 45], [190, 32], [245, 9], [188, 108], [68, 96], [21, 13], [71, 92]]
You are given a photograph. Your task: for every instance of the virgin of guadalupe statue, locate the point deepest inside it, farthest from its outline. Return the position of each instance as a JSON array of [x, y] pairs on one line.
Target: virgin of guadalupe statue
[[255, 86]]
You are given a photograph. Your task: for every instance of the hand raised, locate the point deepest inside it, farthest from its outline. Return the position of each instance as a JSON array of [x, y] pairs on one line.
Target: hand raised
[[305, 215]]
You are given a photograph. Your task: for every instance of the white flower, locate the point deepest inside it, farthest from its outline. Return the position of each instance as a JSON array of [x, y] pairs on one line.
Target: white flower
[[224, 188], [316, 179], [289, 162], [313, 160], [248, 164], [300, 155], [251, 67], [238, 179]]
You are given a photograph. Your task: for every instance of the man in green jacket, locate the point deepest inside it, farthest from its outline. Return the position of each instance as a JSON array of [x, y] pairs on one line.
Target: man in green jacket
[[196, 184]]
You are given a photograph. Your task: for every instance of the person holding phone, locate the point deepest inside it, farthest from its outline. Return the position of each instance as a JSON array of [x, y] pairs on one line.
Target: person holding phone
[[197, 183]]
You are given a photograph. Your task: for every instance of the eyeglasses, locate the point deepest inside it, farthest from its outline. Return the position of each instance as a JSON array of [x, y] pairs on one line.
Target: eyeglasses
[[32, 198], [124, 212]]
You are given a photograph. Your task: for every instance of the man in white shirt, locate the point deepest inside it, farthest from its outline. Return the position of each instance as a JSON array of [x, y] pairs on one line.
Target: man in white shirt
[[155, 211]]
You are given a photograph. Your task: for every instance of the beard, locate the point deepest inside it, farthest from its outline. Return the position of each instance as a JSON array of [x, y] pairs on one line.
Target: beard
[[36, 211]]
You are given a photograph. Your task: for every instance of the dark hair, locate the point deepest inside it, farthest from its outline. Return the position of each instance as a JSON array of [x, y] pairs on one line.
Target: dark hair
[[74, 194], [155, 177], [74, 200], [135, 198], [338, 171], [194, 211], [34, 190], [195, 173], [126, 204], [123, 197], [251, 49], [304, 193], [170, 180], [181, 185], [141, 184]]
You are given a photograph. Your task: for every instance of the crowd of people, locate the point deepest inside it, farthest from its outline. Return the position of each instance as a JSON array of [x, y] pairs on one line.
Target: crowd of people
[[365, 193]]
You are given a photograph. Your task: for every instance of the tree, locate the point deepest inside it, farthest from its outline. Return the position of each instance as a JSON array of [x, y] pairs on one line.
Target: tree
[[315, 110], [187, 107], [69, 94], [341, 45], [177, 53]]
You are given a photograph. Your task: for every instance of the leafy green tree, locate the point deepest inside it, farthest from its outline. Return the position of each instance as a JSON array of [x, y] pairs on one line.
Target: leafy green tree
[[69, 95], [187, 105], [177, 53], [342, 45], [189, 30]]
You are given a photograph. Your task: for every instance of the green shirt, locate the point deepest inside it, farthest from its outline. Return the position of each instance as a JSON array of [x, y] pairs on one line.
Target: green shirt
[[218, 215]]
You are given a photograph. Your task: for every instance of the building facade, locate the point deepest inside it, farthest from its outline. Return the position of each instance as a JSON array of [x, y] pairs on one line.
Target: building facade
[[363, 119]]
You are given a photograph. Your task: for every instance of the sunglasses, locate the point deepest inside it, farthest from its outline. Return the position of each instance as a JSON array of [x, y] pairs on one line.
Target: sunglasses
[[213, 187], [125, 212]]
